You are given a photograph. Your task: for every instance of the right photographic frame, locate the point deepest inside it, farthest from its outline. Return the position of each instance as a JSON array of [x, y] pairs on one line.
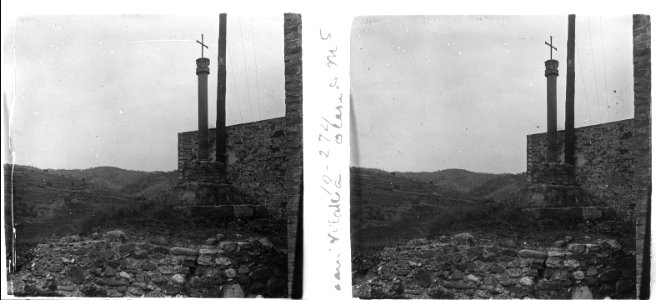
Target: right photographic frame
[[500, 156]]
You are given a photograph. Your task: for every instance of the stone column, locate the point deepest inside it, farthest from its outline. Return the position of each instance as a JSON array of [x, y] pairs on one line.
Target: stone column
[[202, 70], [551, 72], [569, 93], [221, 93]]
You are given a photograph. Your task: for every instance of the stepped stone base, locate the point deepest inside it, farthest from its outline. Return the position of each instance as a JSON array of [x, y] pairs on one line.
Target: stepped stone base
[[203, 171]]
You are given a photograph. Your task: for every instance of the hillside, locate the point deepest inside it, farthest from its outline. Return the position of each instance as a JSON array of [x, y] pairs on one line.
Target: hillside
[[50, 203], [455, 179], [391, 207], [110, 177]]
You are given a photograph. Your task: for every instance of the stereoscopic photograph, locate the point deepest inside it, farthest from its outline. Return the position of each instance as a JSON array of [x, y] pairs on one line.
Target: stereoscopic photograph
[[153, 155], [500, 156]]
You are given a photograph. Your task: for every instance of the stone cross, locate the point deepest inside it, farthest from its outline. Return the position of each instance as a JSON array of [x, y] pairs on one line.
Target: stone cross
[[202, 39], [550, 44]]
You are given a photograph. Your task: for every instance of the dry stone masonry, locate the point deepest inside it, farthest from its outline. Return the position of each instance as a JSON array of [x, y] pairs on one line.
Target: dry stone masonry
[[117, 265], [462, 266]]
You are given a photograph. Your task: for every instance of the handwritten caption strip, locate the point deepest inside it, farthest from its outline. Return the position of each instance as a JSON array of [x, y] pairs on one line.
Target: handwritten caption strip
[[327, 242]]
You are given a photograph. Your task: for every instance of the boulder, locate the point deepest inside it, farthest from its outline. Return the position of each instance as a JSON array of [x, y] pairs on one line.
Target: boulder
[[183, 251], [581, 292], [233, 291], [116, 236], [464, 238]]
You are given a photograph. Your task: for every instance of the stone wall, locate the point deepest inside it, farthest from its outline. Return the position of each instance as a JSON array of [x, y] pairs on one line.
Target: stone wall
[[294, 151], [256, 160], [117, 264], [642, 145], [604, 163]]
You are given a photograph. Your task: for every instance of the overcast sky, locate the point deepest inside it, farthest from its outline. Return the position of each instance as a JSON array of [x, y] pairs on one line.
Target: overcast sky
[[115, 90], [438, 92]]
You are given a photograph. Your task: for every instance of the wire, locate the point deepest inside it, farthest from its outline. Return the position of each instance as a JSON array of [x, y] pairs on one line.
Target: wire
[[257, 83], [232, 70], [593, 71], [248, 88]]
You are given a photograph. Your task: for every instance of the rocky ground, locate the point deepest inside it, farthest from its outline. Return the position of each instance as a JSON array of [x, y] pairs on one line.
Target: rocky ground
[[482, 265], [134, 264]]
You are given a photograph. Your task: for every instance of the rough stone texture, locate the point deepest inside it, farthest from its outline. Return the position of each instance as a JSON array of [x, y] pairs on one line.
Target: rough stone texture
[[106, 268], [294, 141], [255, 163], [450, 269], [604, 163], [642, 132]]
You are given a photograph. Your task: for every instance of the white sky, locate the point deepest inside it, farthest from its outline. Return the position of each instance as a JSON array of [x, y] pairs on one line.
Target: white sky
[[438, 92], [97, 90]]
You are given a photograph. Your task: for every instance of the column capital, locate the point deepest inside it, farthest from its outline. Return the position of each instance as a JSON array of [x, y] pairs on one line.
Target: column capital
[[203, 65], [551, 67]]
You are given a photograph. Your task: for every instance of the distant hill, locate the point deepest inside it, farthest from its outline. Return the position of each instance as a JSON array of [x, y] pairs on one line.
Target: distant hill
[[456, 179], [52, 202], [391, 207]]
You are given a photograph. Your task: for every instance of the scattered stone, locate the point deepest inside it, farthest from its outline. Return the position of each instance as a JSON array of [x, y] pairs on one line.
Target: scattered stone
[[178, 278], [558, 253], [414, 264], [582, 292], [230, 273], [68, 260], [592, 271], [571, 263], [70, 239], [508, 243], [169, 289], [183, 251], [204, 260], [568, 239], [526, 253], [472, 278], [116, 236], [233, 291], [457, 285], [526, 281], [457, 275], [464, 238], [553, 262], [559, 243], [211, 241], [243, 269], [514, 272], [424, 278], [578, 275], [166, 270], [228, 246], [223, 261], [109, 272], [497, 269], [76, 274], [125, 275], [576, 248], [149, 266], [507, 282], [56, 268], [135, 291]]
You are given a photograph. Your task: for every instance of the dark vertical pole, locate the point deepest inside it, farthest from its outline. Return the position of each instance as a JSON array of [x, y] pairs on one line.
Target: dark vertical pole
[[569, 93], [551, 72], [221, 93], [202, 70]]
